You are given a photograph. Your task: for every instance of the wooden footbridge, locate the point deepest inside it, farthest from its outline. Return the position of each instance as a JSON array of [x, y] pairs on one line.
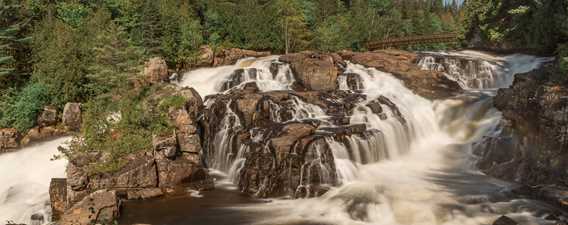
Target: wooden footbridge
[[440, 38]]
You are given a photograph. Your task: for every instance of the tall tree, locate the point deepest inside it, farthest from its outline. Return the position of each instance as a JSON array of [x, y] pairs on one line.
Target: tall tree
[[15, 39], [291, 21]]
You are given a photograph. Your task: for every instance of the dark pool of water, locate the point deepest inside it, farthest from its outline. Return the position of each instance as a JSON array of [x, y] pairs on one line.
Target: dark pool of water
[[216, 207]]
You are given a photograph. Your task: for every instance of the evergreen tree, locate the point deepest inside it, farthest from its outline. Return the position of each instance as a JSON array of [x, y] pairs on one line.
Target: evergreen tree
[[15, 64], [293, 31], [115, 60]]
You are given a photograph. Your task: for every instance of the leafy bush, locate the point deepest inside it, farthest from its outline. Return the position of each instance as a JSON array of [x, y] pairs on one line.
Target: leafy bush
[[117, 128], [20, 109]]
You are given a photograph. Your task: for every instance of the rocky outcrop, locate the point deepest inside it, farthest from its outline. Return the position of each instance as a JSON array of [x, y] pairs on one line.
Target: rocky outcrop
[[282, 138], [100, 207], [58, 197], [156, 70], [402, 64], [316, 72], [71, 117], [174, 160], [532, 147], [9, 139], [232, 55], [48, 117]]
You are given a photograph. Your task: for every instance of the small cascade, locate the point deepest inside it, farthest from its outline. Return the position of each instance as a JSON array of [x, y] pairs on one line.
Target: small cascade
[[391, 108], [268, 73], [478, 71], [222, 156]]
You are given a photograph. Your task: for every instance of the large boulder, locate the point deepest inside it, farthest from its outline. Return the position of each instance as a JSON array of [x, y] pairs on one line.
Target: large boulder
[[72, 116], [9, 139], [48, 116], [99, 207], [156, 70], [205, 57], [317, 72]]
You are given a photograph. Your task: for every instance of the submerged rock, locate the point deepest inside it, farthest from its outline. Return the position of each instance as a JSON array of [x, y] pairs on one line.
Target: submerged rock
[[504, 220]]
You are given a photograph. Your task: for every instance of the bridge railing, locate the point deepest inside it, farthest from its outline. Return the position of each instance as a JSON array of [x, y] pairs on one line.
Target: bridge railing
[[413, 40]]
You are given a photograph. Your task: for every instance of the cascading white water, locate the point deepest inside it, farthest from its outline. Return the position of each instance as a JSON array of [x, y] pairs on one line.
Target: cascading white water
[[25, 178], [207, 81], [433, 183], [479, 71]]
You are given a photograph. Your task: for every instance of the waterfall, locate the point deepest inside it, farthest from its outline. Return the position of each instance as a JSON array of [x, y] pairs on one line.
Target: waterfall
[[268, 73], [479, 71], [25, 179], [424, 176]]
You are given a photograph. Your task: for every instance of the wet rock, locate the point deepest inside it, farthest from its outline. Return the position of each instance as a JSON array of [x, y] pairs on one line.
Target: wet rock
[[58, 197], [156, 70], [172, 173], [48, 116], [317, 72], [42, 133], [504, 220], [531, 147], [165, 145], [72, 116], [37, 219], [232, 55], [145, 193], [402, 64], [9, 139], [100, 207]]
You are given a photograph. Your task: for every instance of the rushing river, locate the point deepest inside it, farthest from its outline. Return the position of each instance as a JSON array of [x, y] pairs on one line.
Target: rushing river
[[24, 181], [424, 173]]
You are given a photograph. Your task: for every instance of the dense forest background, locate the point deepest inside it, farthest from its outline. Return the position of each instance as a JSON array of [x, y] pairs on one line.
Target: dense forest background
[[58, 51]]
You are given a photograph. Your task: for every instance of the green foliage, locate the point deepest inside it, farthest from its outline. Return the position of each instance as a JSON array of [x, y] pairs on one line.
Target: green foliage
[[330, 35], [15, 65], [115, 61], [73, 14], [20, 109], [528, 24], [118, 128]]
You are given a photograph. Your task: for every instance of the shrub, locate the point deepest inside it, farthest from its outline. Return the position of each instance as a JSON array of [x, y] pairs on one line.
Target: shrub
[[20, 110]]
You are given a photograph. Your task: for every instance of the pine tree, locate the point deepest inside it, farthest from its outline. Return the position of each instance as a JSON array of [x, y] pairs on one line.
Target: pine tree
[[15, 50], [115, 60], [291, 21]]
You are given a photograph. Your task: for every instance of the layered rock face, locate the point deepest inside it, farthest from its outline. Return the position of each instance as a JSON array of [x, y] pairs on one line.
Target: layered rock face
[[278, 143], [532, 147], [174, 161]]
